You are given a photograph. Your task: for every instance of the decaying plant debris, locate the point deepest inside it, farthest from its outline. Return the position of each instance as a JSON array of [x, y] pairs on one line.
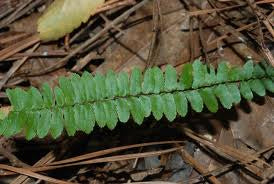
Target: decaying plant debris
[[231, 146]]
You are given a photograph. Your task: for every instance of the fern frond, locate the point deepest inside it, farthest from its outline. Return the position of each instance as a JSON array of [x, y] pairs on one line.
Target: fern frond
[[81, 102]]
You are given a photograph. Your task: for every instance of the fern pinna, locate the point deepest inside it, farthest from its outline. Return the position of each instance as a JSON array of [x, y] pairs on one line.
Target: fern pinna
[[78, 103]]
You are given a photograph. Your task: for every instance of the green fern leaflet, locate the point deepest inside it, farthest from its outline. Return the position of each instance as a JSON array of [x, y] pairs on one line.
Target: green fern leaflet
[[81, 102]]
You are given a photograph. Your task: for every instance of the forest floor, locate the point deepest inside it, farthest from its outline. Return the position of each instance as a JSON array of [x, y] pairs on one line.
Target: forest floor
[[230, 147]]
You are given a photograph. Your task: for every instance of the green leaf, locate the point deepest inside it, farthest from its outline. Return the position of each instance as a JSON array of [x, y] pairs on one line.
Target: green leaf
[[89, 87], [146, 105], [170, 78], [247, 70], [30, 127], [181, 103], [222, 72], [122, 109], [209, 99], [59, 96], [78, 88], [100, 90], [100, 115], [21, 120], [56, 123], [8, 127], [123, 84], [111, 114], [2, 115], [268, 68], [195, 100], [186, 77], [234, 74], [270, 71], [210, 78], [223, 94], [269, 85], [87, 118], [43, 126], [67, 90], [153, 81], [149, 83], [157, 106], [258, 87], [234, 92], [4, 125], [136, 82], [35, 95], [199, 72], [111, 84], [258, 71], [78, 117], [13, 126], [47, 95], [158, 80], [82, 82], [169, 106], [70, 123], [136, 110], [19, 99], [246, 91]]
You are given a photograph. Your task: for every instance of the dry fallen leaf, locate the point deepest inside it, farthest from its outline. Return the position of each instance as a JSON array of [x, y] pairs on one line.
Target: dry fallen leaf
[[63, 16]]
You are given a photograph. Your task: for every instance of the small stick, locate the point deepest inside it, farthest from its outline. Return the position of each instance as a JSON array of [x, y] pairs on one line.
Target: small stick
[[12, 158], [238, 30], [13, 49], [43, 161], [191, 161], [16, 65]]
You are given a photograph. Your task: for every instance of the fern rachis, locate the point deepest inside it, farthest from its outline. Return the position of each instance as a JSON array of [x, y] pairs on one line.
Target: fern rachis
[[79, 103]]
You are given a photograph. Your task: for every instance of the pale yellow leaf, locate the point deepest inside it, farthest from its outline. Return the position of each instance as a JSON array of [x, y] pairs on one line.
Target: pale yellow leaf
[[63, 16]]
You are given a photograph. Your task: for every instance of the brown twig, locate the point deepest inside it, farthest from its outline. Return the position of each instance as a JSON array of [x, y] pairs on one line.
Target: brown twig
[[243, 158], [111, 150], [48, 158], [32, 174], [21, 11], [81, 63], [12, 158], [191, 161], [92, 161], [13, 49], [226, 168], [269, 27], [226, 35], [16, 65], [230, 29], [203, 12], [156, 35], [203, 42], [114, 4]]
